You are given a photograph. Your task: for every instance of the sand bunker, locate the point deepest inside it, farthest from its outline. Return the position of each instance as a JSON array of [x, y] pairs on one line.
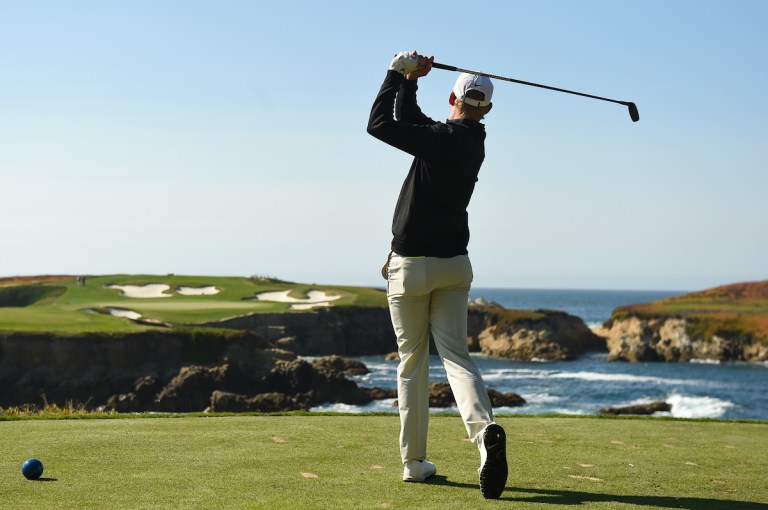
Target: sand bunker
[[122, 312], [314, 299], [157, 290], [197, 291], [153, 290]]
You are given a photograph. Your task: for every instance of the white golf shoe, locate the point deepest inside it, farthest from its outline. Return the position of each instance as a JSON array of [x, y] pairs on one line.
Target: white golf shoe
[[418, 471], [493, 461]]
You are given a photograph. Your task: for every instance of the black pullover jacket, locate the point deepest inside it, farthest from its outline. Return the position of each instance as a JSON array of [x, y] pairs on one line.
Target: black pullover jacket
[[431, 214]]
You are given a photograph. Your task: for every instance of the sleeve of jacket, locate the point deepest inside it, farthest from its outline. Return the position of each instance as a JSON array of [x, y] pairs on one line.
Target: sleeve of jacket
[[406, 107], [413, 132]]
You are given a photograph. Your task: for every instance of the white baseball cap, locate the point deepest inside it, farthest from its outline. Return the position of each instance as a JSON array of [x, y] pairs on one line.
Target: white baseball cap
[[467, 82]]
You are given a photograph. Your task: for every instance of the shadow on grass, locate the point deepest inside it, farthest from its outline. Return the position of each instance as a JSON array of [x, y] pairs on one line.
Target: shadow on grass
[[553, 497], [45, 480], [575, 498]]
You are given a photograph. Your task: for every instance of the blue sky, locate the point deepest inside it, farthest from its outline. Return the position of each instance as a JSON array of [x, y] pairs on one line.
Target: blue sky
[[228, 138]]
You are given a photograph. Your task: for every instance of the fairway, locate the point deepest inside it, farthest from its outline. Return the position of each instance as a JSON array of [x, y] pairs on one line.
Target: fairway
[[338, 461]]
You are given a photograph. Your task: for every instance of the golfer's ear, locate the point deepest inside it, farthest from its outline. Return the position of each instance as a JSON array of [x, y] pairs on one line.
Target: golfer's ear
[[490, 105]]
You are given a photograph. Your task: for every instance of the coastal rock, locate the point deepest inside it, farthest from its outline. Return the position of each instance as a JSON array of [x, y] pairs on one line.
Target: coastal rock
[[191, 389], [508, 399], [638, 409], [381, 393], [530, 334], [300, 377], [441, 396], [667, 339], [342, 365], [224, 402]]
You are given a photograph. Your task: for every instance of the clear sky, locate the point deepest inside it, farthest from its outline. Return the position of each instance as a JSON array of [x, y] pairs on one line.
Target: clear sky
[[228, 138]]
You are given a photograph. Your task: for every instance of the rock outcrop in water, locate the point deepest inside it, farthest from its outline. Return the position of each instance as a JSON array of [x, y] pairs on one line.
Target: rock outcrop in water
[[530, 334], [638, 409]]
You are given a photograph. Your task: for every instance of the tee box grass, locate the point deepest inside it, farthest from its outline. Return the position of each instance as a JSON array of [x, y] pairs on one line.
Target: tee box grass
[[351, 462]]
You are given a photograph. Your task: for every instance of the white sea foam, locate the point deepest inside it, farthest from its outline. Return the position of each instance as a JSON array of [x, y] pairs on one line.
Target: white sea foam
[[684, 406], [541, 398], [523, 373], [377, 406], [599, 376], [706, 361]]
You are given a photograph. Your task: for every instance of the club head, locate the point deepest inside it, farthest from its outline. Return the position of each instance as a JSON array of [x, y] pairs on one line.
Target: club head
[[633, 113]]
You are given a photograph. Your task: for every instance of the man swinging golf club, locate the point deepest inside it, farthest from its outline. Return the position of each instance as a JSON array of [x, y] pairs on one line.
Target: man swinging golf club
[[428, 271]]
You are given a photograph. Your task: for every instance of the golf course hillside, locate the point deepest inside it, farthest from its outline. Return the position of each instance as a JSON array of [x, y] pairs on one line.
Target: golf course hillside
[[131, 303], [727, 323]]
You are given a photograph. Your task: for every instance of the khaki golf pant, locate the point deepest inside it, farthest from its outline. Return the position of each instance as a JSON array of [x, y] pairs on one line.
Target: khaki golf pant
[[429, 294]]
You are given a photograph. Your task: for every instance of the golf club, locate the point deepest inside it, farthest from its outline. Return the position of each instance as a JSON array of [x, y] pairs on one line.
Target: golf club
[[633, 113]]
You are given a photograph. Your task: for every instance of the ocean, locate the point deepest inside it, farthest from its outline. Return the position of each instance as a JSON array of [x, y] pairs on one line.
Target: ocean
[[583, 386]]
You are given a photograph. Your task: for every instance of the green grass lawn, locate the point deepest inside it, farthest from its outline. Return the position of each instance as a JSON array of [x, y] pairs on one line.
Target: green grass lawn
[[348, 462], [58, 306]]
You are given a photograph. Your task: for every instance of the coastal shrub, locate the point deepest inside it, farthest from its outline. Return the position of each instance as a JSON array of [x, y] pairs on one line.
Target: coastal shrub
[[508, 319], [20, 296], [708, 327]]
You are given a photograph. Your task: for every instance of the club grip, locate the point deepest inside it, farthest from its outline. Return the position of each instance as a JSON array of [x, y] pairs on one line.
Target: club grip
[[437, 65]]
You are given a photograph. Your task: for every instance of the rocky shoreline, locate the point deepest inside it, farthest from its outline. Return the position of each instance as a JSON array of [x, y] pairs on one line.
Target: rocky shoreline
[[257, 362], [253, 363]]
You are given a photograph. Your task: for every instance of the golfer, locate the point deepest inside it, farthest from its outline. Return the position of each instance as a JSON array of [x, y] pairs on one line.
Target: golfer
[[428, 271]]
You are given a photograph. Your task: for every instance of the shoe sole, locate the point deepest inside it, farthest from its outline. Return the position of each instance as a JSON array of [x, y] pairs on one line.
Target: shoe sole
[[493, 474], [418, 480]]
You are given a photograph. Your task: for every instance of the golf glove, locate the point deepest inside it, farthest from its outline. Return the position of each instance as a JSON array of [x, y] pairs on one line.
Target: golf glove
[[404, 63]]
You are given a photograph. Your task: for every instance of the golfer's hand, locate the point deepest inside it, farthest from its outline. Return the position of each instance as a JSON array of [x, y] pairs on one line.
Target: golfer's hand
[[404, 62], [423, 67]]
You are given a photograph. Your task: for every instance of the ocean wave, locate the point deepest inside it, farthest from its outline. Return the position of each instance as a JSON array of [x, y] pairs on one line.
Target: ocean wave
[[685, 406], [541, 398], [605, 377], [706, 361], [505, 374], [377, 406]]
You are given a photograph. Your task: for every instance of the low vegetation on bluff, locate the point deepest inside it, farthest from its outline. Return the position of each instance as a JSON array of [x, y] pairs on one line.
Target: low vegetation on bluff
[[734, 311]]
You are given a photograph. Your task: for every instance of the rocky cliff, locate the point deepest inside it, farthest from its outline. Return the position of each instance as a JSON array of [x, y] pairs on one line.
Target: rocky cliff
[[346, 331], [670, 339], [169, 371], [530, 334], [728, 323]]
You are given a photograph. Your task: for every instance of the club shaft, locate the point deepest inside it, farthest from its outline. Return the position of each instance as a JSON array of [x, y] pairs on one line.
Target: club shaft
[[457, 69]]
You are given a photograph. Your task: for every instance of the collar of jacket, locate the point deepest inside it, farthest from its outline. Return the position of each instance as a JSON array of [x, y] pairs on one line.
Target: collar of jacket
[[468, 123]]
